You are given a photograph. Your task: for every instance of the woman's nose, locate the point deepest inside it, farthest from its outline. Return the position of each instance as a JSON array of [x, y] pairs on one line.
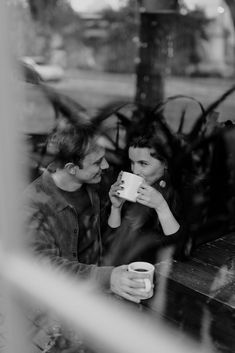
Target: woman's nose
[[104, 164], [135, 169]]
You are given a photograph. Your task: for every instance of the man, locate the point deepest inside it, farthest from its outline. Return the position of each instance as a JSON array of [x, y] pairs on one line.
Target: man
[[63, 212]]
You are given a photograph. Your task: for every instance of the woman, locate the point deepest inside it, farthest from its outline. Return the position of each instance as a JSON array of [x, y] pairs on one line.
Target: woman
[[141, 229]]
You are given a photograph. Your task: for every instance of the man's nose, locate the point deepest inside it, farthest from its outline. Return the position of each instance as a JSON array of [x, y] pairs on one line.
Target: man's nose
[[104, 164]]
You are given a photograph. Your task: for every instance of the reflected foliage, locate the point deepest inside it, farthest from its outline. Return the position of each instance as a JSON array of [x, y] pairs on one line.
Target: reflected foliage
[[201, 160]]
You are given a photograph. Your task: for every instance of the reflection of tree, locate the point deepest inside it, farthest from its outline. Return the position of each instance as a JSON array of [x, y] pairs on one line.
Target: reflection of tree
[[41, 8], [54, 13], [121, 37], [231, 4], [57, 27], [188, 37], [194, 24]]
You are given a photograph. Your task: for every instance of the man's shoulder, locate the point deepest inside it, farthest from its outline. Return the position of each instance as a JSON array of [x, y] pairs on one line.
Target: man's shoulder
[[40, 190]]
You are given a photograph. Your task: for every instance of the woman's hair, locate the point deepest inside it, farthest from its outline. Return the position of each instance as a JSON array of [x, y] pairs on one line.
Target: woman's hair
[[69, 142], [155, 141]]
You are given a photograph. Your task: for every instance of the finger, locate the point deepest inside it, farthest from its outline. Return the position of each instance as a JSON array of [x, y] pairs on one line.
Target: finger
[[143, 194], [116, 188], [132, 285], [137, 286], [137, 293], [144, 185], [116, 184], [117, 193], [130, 297], [119, 176], [144, 191], [124, 267], [133, 276], [141, 189], [141, 198], [132, 291], [127, 293]]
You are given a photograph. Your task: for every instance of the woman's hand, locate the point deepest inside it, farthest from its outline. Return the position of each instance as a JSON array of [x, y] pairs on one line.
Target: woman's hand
[[150, 197], [116, 201]]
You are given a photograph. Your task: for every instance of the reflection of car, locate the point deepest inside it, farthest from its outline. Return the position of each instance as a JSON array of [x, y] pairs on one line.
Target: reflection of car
[[47, 72]]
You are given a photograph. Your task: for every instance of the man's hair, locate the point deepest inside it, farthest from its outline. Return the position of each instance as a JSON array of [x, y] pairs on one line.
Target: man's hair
[[69, 143]]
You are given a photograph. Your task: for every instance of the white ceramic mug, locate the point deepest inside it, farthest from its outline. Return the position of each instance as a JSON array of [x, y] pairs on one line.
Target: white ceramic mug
[[130, 186], [144, 267]]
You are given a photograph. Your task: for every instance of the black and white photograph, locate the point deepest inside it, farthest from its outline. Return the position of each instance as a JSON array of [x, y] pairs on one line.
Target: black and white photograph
[[117, 180]]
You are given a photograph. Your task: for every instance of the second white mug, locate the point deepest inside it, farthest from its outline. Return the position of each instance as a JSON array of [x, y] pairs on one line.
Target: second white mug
[[144, 267]]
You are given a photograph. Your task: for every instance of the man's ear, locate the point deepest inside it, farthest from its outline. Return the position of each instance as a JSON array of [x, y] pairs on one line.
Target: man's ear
[[71, 168]]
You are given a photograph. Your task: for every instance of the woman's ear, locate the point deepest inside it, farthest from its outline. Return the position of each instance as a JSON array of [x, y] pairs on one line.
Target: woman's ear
[[71, 168]]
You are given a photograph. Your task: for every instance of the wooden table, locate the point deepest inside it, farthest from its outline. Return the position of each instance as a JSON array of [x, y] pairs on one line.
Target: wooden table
[[199, 294]]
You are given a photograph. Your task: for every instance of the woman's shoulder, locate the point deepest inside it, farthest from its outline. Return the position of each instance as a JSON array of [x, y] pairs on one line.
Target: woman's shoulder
[[165, 187]]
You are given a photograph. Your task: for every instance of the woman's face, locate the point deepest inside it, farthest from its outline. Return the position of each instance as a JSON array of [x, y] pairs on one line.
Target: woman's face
[[144, 165]]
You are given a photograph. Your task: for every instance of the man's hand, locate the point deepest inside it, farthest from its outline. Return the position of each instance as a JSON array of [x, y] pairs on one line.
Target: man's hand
[[128, 285]]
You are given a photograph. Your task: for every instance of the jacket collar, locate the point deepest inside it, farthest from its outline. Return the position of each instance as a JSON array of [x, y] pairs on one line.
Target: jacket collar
[[59, 201]]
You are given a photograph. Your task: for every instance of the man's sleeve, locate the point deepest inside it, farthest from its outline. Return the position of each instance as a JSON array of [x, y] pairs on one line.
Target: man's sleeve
[[42, 241]]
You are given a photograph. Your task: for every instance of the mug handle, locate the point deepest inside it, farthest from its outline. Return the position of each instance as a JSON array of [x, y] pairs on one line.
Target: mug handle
[[148, 285]]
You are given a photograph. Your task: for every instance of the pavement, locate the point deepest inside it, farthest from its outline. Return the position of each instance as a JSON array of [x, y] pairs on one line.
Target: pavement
[[95, 89]]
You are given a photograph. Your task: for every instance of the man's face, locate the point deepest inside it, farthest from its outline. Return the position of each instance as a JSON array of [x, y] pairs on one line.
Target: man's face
[[92, 166]]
